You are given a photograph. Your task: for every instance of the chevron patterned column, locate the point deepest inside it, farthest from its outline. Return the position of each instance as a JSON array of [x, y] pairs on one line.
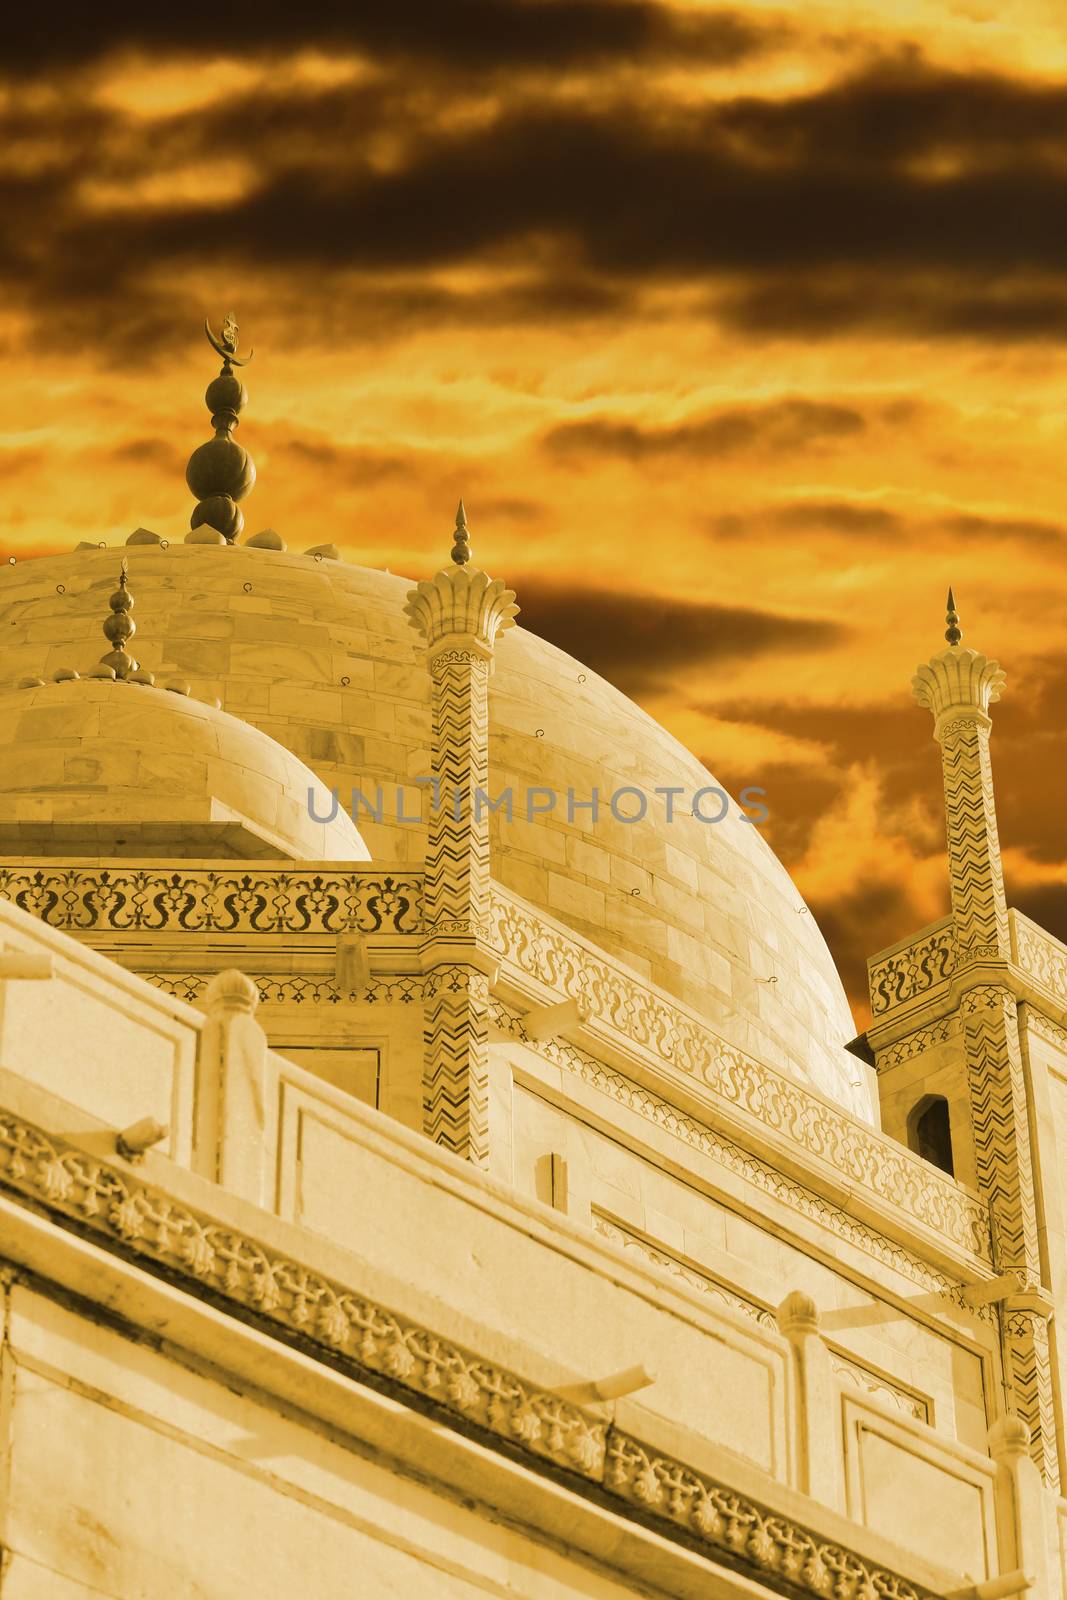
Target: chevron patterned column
[[958, 686], [455, 1100], [457, 852], [1005, 1173], [460, 613], [978, 905]]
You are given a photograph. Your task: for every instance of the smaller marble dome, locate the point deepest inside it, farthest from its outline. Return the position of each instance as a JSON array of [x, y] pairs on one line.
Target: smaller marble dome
[[94, 766]]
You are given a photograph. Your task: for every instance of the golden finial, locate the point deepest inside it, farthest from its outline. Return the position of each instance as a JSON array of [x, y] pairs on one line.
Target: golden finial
[[952, 632], [120, 627], [226, 343], [461, 549], [222, 472]]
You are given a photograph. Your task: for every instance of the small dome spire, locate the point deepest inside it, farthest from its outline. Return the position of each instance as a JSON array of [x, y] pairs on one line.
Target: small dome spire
[[120, 627], [222, 472], [461, 548], [952, 632]]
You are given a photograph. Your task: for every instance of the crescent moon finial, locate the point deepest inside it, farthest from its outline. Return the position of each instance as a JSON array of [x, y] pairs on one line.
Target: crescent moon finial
[[226, 343]]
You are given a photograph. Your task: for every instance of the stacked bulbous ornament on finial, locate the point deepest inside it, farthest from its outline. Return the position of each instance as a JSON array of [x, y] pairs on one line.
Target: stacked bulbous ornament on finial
[[119, 629], [221, 472]]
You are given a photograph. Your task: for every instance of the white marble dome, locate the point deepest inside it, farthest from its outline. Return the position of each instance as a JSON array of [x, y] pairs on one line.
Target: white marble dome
[[319, 656], [104, 768]]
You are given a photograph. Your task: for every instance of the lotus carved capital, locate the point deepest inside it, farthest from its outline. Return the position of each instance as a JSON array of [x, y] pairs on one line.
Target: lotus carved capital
[[463, 604], [958, 682]]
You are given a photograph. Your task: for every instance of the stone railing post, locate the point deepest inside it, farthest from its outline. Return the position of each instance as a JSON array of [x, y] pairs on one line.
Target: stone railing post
[[1022, 1509], [237, 1112], [817, 1430]]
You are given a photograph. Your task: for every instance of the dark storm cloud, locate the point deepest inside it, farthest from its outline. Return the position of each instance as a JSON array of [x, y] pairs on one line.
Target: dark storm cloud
[[790, 424], [837, 516], [890, 731], [376, 309], [872, 525], [654, 195], [464, 34], [900, 109], [901, 199], [1029, 752], [1028, 530], [857, 924], [796, 797], [1030, 772], [947, 305], [352, 467], [1045, 904], [655, 189], [162, 454], [895, 735], [636, 640], [510, 509]]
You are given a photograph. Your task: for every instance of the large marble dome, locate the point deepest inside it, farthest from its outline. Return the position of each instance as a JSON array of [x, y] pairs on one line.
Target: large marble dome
[[318, 655]]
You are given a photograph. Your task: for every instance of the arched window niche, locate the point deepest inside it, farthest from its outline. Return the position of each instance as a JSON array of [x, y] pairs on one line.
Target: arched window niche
[[930, 1133]]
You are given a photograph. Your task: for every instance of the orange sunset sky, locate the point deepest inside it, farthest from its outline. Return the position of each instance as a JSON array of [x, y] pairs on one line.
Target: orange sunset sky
[[740, 329]]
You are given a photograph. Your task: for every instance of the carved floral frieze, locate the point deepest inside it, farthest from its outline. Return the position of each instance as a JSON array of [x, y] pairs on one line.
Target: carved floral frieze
[[741, 1532], [935, 956], [296, 991], [338, 1324], [140, 899], [902, 974], [616, 999], [288, 900], [1041, 956], [963, 1219]]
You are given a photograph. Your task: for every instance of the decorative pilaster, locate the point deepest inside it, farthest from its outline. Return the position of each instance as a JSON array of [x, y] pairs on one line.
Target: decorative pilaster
[[460, 613], [958, 687]]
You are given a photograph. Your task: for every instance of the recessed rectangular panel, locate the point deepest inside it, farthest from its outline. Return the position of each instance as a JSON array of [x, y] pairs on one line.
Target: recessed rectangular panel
[[918, 1489], [354, 1069]]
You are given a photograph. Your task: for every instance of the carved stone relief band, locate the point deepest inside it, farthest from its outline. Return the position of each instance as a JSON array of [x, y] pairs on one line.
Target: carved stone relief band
[[171, 1239], [731, 1155], [626, 1007], [926, 963], [92, 900], [212, 900]]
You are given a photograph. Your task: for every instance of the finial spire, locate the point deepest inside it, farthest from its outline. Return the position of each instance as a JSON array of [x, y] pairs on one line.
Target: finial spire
[[226, 344], [119, 627], [461, 548], [222, 472], [952, 632]]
